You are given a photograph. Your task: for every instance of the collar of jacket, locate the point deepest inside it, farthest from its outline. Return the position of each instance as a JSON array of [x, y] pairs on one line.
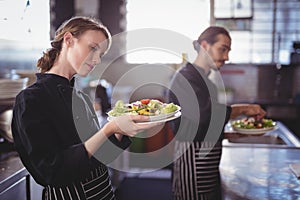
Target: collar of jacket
[[57, 78]]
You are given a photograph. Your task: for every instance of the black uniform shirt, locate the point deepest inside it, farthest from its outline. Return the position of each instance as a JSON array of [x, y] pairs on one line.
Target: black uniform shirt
[[203, 117], [51, 120]]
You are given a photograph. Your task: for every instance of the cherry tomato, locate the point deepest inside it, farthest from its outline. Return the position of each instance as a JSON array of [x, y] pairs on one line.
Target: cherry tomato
[[145, 101]]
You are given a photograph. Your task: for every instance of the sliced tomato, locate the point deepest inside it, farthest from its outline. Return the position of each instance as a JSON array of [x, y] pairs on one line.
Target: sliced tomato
[[145, 101]]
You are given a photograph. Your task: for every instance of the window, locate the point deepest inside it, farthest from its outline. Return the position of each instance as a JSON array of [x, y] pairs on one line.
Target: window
[[184, 17], [262, 31], [27, 22], [267, 35], [25, 31], [233, 9]]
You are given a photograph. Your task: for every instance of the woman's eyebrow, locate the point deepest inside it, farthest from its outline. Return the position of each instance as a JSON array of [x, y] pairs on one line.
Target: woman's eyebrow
[[101, 47], [96, 44]]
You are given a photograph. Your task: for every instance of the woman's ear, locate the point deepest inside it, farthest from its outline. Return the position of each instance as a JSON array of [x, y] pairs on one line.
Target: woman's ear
[[68, 38]]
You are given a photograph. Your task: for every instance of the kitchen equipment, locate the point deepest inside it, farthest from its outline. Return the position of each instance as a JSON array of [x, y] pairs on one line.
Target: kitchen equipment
[[295, 54], [9, 88], [26, 73], [5, 125], [5, 74]]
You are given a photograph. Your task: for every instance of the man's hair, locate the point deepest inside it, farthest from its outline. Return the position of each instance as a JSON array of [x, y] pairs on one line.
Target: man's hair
[[210, 34]]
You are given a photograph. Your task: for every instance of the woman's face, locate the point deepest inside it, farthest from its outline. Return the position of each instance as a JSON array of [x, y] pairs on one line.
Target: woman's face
[[219, 51], [86, 51]]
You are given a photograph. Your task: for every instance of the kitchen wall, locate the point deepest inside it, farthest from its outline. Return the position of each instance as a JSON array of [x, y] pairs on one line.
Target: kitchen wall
[[241, 80], [275, 88]]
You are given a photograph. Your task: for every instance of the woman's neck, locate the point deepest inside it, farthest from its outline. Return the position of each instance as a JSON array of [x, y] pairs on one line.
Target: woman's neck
[[63, 69]]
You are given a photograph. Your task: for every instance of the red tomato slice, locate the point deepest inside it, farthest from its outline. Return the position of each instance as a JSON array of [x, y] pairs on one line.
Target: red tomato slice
[[145, 101]]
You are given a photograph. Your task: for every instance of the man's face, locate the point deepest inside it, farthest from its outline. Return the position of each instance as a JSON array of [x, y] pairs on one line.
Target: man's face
[[219, 51]]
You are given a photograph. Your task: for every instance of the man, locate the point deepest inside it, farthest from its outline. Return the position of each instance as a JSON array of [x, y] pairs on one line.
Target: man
[[199, 132]]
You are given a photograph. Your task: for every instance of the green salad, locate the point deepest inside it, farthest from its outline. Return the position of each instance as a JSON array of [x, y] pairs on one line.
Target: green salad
[[148, 107], [252, 123]]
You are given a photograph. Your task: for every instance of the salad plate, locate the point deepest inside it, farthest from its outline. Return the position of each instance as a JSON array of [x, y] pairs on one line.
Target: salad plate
[[164, 116], [254, 131], [155, 109], [161, 120], [250, 126]]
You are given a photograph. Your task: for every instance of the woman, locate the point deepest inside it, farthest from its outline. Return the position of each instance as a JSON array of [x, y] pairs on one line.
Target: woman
[[199, 131], [51, 118]]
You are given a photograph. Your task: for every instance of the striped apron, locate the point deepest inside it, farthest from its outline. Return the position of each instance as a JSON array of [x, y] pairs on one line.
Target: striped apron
[[196, 171], [96, 187]]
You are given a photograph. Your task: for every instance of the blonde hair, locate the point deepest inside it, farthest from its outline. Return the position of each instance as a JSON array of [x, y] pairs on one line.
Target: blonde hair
[[76, 26]]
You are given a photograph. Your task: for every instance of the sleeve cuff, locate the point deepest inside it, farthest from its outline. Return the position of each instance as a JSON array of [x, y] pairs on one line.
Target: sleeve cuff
[[123, 144]]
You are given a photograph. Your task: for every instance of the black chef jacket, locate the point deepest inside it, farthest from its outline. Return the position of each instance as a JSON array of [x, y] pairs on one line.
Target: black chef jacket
[[48, 141]]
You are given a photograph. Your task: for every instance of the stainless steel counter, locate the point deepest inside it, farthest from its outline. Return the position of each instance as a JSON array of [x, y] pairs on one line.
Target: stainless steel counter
[[15, 181], [261, 171]]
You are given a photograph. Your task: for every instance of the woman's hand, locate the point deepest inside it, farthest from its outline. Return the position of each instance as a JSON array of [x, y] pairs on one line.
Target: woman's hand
[[127, 125], [123, 125]]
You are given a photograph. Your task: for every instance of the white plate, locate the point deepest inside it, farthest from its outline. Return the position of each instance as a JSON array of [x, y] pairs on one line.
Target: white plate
[[171, 117], [175, 116], [257, 131], [164, 116], [157, 117]]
